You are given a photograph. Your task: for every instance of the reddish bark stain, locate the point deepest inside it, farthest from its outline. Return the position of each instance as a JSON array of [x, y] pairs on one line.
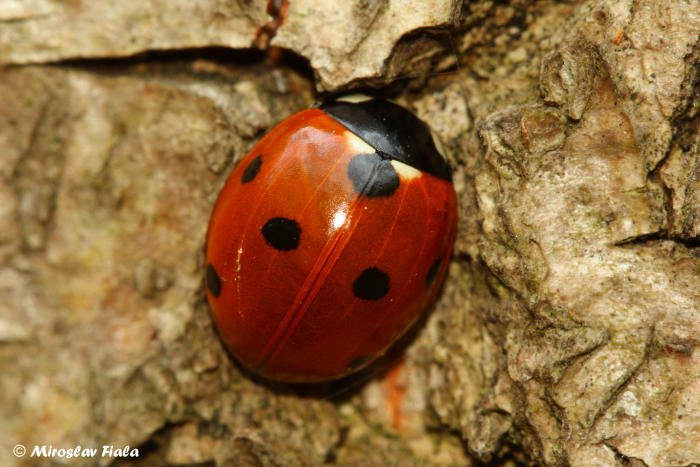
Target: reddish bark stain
[[618, 37], [278, 10], [395, 394]]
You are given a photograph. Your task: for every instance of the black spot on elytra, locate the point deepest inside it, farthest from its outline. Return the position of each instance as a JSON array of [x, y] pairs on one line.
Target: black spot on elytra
[[213, 281], [358, 362], [282, 233], [252, 170], [432, 272], [372, 175], [372, 284]]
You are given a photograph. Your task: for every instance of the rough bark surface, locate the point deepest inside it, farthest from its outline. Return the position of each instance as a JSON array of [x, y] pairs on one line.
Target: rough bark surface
[[568, 330]]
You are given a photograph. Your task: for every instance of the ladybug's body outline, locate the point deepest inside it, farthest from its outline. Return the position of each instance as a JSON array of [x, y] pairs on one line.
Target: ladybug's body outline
[[322, 249]]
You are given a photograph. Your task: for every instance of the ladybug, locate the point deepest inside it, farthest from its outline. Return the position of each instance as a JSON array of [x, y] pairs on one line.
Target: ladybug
[[329, 240]]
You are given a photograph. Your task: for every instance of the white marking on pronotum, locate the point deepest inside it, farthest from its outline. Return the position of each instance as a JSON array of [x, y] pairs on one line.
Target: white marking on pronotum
[[355, 98], [357, 144], [406, 172]]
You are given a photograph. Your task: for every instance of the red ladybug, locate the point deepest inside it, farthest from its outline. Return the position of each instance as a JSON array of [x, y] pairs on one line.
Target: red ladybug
[[329, 240]]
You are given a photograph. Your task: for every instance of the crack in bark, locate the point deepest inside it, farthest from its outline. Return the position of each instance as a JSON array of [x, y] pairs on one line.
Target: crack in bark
[[621, 387], [659, 236], [623, 459]]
